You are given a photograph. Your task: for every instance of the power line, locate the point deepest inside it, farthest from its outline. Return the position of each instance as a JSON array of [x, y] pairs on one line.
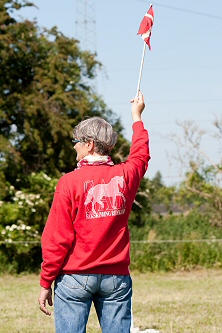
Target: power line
[[209, 100], [158, 241], [212, 240], [185, 10]]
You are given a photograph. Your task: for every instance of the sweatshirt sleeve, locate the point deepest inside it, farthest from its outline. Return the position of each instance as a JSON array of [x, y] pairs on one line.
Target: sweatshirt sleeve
[[139, 152], [58, 236]]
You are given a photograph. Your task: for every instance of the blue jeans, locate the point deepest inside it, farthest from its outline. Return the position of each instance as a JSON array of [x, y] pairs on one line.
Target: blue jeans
[[111, 295]]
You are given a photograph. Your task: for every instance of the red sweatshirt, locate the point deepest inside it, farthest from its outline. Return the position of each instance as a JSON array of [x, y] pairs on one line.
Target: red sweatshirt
[[87, 228]]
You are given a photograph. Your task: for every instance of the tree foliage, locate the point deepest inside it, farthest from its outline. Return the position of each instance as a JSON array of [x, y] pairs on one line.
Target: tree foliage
[[202, 185], [45, 90]]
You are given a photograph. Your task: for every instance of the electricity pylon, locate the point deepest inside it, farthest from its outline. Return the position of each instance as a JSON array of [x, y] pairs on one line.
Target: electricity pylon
[[86, 24]]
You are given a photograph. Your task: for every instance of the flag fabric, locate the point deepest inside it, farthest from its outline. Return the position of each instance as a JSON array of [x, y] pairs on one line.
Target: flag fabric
[[146, 25]]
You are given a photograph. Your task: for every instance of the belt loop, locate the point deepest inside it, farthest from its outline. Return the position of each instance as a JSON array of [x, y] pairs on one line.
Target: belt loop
[[87, 277], [115, 281]]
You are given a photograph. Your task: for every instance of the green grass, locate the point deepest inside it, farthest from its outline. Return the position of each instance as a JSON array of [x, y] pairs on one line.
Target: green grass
[[179, 302], [182, 302]]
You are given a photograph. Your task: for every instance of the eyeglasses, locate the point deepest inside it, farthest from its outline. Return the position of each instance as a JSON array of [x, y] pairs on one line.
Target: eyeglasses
[[75, 141]]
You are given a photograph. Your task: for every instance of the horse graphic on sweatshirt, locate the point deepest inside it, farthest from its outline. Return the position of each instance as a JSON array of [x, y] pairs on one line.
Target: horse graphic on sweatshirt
[[106, 192]]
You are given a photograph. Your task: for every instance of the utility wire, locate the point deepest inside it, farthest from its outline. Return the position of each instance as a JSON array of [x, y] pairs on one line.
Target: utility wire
[[184, 10], [211, 240]]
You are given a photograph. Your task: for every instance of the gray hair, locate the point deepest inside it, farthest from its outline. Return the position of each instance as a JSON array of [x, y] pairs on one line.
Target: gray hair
[[99, 131]]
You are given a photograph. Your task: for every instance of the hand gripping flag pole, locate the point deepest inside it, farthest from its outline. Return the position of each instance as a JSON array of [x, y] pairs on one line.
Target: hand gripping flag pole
[[145, 30]]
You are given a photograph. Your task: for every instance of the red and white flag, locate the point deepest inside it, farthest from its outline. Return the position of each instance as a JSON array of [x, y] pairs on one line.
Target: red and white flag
[[146, 25]]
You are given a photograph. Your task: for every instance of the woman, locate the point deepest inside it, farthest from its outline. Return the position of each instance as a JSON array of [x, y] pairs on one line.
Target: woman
[[85, 242]]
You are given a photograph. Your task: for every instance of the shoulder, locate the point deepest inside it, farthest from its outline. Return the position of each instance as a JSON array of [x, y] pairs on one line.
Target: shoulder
[[66, 180], [67, 176]]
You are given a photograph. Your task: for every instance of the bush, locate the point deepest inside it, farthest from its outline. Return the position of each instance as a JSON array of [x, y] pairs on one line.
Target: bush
[[174, 243], [175, 256], [23, 216], [24, 213]]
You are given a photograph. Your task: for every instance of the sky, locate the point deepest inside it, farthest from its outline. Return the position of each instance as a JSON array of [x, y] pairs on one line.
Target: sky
[[182, 74]]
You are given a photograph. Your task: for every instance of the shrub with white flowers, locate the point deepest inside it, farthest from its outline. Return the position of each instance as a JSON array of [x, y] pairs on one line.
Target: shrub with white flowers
[[24, 213]]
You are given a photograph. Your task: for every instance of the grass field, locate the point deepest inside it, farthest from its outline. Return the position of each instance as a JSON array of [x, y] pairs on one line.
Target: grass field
[[182, 302]]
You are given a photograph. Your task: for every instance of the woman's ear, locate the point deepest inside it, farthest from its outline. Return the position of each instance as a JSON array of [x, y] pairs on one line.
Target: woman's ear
[[90, 146]]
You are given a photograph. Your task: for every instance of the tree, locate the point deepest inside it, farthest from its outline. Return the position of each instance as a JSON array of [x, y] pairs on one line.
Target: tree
[[45, 91], [202, 185]]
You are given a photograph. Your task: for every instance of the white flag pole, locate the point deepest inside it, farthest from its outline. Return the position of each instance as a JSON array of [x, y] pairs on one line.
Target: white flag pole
[[141, 69]]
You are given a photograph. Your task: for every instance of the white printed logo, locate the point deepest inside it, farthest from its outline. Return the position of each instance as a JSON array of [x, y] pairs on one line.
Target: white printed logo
[[105, 199]]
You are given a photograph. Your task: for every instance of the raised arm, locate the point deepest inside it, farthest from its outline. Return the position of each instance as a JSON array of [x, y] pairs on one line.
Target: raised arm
[[138, 106], [139, 152]]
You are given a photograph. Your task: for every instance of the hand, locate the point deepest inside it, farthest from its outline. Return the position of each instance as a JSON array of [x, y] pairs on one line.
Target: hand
[[138, 106], [45, 294]]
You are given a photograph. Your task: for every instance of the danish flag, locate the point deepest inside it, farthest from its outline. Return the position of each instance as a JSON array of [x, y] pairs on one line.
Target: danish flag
[[146, 26]]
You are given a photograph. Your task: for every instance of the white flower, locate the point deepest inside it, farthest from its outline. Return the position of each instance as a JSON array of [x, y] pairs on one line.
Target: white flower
[[38, 202], [46, 177], [12, 187], [13, 226], [20, 203], [29, 202], [31, 196], [33, 210], [3, 232], [37, 196]]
